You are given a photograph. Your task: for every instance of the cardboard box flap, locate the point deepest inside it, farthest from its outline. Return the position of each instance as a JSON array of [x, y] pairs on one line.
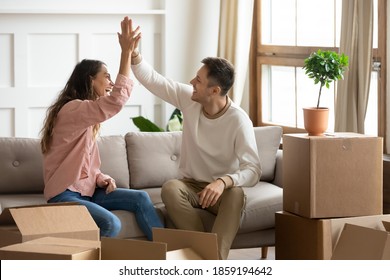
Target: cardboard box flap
[[183, 254], [315, 238], [203, 243], [362, 243], [386, 224], [53, 248], [60, 219], [65, 242], [67, 220], [6, 216], [128, 249], [373, 221]]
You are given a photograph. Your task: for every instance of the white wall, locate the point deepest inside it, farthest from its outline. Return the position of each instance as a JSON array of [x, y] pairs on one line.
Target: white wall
[[192, 34], [192, 28], [42, 40]]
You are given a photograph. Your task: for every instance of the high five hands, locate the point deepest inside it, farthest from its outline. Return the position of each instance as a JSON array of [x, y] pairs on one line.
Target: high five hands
[[129, 38]]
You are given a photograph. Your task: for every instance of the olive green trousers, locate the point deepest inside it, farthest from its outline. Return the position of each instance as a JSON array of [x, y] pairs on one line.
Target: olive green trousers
[[181, 198]]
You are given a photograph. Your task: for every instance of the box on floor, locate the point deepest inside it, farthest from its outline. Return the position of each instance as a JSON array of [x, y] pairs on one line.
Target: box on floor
[[52, 248], [300, 238], [332, 176], [167, 244], [363, 243], [21, 224]]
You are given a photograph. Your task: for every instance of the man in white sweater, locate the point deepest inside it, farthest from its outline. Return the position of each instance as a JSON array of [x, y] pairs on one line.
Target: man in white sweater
[[218, 153]]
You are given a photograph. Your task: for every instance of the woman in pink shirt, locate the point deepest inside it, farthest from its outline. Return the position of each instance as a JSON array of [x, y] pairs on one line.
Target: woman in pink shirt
[[71, 160]]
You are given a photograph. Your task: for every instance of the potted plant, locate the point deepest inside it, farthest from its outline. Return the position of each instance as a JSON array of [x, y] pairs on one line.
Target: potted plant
[[175, 123], [323, 67]]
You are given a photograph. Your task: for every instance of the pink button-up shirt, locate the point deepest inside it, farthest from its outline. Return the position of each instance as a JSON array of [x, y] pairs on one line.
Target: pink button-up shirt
[[73, 161]]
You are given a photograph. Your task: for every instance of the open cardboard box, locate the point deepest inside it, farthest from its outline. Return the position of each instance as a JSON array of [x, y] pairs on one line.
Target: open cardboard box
[[167, 244], [52, 248], [74, 235], [363, 243], [67, 220], [300, 238]]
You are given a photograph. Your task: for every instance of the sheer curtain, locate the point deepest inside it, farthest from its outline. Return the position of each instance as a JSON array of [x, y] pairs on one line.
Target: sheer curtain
[[234, 40], [356, 42]]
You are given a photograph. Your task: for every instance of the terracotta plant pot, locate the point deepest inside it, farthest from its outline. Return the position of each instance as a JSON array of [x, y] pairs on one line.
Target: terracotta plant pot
[[316, 120]]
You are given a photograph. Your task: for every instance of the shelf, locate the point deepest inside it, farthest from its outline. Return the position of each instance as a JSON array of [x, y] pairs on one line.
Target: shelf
[[83, 11]]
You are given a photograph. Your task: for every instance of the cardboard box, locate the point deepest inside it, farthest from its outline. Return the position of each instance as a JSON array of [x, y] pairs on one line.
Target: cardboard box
[[21, 224], [332, 176], [300, 238], [52, 248], [386, 184], [363, 243], [167, 244]]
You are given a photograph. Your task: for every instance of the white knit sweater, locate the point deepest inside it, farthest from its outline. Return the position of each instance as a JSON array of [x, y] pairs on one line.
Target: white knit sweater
[[211, 148]]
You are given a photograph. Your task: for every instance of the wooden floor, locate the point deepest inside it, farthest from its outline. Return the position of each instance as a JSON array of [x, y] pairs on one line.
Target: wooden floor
[[250, 254]]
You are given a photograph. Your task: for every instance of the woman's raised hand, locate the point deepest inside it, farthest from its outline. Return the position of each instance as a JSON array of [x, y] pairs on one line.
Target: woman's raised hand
[[128, 41], [129, 38]]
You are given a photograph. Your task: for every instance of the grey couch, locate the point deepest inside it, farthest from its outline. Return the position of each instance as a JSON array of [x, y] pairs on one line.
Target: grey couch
[[143, 160]]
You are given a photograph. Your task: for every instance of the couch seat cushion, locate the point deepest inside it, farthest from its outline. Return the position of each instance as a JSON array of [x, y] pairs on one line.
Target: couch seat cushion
[[154, 194], [262, 201], [16, 200], [130, 228]]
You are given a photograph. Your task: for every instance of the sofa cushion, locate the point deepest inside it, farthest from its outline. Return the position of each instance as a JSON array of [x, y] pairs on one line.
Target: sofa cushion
[[20, 165], [113, 156], [16, 200], [130, 227], [153, 158], [268, 140], [261, 203]]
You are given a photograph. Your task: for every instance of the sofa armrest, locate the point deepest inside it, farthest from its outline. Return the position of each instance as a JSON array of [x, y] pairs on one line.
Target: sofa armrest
[[278, 179]]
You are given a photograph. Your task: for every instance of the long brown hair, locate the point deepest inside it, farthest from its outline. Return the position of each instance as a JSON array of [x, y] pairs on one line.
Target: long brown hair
[[79, 86]]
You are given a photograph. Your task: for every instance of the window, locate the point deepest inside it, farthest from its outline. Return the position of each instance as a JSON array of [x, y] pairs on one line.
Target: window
[[285, 33]]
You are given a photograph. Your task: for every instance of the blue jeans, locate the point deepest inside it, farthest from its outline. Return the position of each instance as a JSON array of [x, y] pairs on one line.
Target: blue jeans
[[100, 204]]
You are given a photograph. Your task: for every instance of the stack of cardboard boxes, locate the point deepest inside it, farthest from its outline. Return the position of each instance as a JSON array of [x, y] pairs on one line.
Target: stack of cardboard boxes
[[331, 182], [66, 231]]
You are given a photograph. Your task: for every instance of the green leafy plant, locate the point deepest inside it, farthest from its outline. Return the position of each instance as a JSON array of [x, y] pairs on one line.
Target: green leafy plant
[[175, 123], [324, 67], [144, 124]]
